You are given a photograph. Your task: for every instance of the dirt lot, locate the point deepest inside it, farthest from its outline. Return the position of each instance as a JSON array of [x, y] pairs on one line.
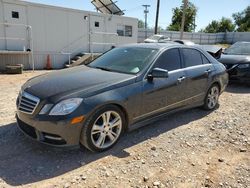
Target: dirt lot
[[193, 148]]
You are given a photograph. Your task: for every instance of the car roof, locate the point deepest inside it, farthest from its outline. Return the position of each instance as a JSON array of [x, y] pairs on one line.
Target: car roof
[[170, 44], [154, 45]]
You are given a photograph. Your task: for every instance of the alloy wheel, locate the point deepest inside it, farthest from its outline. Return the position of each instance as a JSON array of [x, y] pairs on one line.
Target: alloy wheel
[[106, 129], [213, 97]]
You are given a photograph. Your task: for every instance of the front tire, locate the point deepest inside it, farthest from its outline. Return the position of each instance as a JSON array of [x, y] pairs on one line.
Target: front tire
[[212, 97], [103, 128]]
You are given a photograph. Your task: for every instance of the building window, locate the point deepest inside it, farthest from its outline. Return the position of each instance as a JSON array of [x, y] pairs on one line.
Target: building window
[[15, 14], [124, 30], [96, 24], [120, 30], [128, 31]]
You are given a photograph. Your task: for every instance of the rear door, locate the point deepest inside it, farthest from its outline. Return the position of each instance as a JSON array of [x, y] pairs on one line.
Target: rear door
[[163, 94], [198, 70]]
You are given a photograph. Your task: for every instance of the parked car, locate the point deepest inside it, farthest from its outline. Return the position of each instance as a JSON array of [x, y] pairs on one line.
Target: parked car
[[157, 39], [125, 88], [185, 42], [236, 59]]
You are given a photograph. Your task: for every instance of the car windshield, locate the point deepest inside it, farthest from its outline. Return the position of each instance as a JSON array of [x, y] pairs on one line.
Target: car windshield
[[239, 48], [130, 60]]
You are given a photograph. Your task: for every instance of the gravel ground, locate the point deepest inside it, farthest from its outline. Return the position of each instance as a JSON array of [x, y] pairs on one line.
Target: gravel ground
[[192, 148]]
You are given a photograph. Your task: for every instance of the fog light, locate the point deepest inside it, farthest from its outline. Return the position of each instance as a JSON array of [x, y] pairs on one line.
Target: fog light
[[77, 120]]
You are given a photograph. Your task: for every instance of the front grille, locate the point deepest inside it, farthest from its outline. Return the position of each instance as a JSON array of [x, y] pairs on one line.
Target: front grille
[[27, 103]]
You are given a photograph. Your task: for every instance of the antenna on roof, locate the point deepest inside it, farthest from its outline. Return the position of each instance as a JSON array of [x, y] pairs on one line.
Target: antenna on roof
[[107, 7]]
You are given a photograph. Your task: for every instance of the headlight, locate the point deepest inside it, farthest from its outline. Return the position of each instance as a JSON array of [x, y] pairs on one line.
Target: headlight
[[45, 109], [65, 107], [243, 66]]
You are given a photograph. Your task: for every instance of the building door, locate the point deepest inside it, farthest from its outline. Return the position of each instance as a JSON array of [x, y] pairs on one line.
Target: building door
[[17, 33], [97, 33]]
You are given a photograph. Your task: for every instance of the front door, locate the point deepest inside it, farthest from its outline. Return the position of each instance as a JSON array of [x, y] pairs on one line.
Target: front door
[[163, 94], [17, 33]]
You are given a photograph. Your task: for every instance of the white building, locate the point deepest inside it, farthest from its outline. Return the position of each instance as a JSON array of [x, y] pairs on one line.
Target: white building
[[58, 32]]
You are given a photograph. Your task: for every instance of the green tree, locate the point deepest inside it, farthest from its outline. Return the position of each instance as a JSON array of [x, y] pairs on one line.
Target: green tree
[[226, 24], [141, 24], [212, 27], [190, 15], [242, 20], [223, 25]]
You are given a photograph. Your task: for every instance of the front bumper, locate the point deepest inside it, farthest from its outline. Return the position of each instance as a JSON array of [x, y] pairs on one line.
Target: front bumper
[[56, 133]]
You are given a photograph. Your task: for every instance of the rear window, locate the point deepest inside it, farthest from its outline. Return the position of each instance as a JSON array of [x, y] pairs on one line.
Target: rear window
[[192, 57], [205, 60]]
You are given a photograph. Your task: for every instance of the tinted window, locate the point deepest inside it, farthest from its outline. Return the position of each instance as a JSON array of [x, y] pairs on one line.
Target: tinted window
[[205, 60], [169, 60], [125, 59], [192, 57]]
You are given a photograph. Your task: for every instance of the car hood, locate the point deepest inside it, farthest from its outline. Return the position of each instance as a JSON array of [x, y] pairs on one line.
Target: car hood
[[80, 81], [234, 59]]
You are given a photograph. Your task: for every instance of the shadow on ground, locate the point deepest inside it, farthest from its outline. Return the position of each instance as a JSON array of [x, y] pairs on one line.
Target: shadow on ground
[[24, 161]]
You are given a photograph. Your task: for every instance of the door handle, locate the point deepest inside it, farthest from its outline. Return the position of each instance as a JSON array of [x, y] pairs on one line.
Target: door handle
[[181, 79]]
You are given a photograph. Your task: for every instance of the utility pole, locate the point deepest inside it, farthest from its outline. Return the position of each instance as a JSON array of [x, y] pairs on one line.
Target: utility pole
[[183, 18], [157, 16], [146, 11]]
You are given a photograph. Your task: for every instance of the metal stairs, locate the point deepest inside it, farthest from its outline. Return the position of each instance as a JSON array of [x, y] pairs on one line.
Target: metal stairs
[[82, 59]]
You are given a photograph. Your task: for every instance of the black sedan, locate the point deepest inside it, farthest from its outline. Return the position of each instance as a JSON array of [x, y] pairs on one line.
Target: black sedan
[[237, 61], [125, 88]]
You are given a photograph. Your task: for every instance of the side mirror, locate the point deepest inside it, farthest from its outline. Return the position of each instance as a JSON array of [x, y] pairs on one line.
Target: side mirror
[[158, 73]]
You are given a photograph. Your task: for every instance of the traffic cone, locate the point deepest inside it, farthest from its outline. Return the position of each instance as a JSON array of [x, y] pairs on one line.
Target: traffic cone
[[48, 63]]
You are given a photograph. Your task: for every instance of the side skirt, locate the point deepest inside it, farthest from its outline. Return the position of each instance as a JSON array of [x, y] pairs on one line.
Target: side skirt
[[158, 117]]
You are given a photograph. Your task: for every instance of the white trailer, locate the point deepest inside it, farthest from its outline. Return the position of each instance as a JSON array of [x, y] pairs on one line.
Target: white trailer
[[44, 30]]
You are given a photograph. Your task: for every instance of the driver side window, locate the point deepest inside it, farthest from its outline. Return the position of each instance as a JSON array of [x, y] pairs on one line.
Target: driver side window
[[169, 60]]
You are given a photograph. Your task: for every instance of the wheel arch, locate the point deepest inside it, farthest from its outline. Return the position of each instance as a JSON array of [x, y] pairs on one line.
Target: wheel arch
[[216, 83], [123, 109], [112, 103]]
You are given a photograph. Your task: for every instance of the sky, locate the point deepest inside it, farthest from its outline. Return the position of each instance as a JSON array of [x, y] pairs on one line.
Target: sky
[[208, 10]]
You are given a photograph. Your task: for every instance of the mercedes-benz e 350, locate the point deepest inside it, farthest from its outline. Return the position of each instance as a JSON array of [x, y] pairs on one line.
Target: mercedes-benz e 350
[[125, 88]]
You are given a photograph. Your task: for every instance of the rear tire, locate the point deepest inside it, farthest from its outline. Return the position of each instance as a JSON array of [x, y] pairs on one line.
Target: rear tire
[[212, 97], [103, 128]]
